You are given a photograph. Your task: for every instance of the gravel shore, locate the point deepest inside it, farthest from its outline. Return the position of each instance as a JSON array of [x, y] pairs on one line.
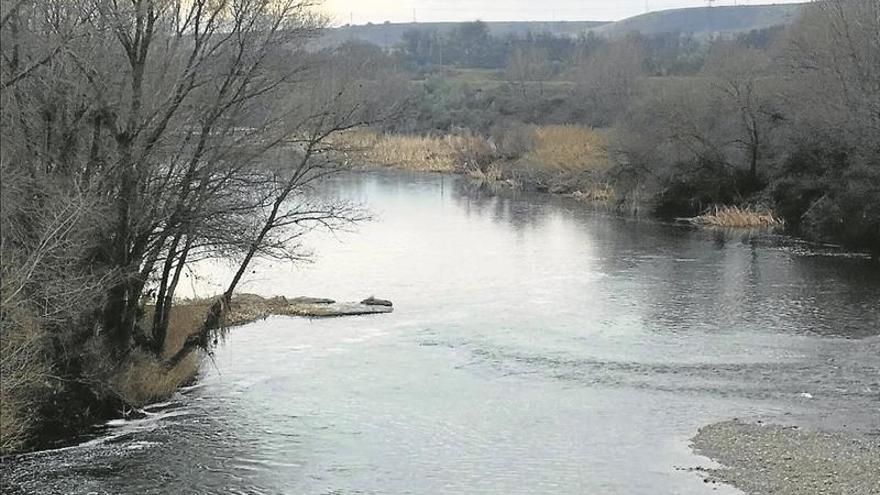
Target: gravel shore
[[787, 460]]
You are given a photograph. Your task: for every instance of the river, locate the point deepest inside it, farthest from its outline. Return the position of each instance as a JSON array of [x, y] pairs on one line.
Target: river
[[535, 347]]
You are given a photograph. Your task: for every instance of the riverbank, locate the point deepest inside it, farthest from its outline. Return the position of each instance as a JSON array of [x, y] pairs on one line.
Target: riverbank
[[145, 379], [763, 458], [561, 159], [558, 159], [114, 390], [580, 353]]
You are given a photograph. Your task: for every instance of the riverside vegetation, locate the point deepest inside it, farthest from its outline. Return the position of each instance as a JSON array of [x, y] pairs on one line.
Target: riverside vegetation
[[140, 139], [780, 121], [137, 139]]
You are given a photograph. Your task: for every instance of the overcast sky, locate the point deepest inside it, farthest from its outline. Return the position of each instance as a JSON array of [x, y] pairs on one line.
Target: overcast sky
[[376, 11]]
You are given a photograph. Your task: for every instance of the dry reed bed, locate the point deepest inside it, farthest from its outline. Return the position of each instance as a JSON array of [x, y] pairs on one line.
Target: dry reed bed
[[597, 193], [552, 149], [737, 217], [568, 148], [419, 153]]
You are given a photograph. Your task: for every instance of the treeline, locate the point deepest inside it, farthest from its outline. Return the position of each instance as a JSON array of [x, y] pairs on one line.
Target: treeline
[[794, 127], [137, 139], [471, 45], [539, 78], [784, 118]]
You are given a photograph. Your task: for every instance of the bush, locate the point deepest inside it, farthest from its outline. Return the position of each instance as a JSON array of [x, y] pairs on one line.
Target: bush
[[24, 370], [828, 194], [688, 189], [512, 139]]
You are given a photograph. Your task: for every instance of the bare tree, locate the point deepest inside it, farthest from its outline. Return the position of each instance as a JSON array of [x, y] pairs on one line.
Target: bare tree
[[528, 65], [141, 136], [742, 79], [832, 55], [607, 79], [804, 116], [830, 61]]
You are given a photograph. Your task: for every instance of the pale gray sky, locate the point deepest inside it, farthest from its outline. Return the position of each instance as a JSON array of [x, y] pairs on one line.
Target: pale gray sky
[[376, 11]]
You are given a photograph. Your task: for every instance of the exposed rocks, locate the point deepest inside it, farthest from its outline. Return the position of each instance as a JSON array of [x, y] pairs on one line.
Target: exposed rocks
[[372, 301], [311, 300], [247, 308], [331, 310]]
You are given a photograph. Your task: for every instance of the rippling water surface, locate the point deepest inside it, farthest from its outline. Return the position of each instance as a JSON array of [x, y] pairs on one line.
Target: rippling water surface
[[535, 347]]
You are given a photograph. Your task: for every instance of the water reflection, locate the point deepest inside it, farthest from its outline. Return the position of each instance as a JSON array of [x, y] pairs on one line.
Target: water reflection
[[535, 347]]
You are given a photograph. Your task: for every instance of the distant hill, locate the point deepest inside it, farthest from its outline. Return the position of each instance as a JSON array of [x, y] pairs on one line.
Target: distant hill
[[389, 34], [705, 21], [699, 21]]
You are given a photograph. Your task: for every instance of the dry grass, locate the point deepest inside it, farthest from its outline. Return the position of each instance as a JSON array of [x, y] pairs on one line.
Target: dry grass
[[141, 380], [144, 379], [186, 318], [569, 148], [247, 308], [489, 174], [420, 153], [736, 217], [558, 148], [598, 193]]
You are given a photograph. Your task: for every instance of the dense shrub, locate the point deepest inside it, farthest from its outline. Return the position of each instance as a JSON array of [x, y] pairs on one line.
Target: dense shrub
[[687, 189], [511, 139], [831, 195]]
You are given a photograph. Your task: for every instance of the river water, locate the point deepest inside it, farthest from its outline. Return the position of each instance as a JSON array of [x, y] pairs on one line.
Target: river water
[[535, 347]]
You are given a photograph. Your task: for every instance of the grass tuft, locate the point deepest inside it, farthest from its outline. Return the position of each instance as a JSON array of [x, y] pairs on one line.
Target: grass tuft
[[736, 217], [489, 174], [144, 379], [597, 193]]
